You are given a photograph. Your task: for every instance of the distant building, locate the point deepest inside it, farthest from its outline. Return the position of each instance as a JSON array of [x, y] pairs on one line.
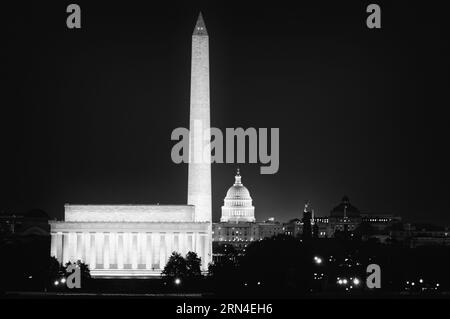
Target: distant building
[[237, 226], [270, 228], [32, 223], [294, 227], [344, 219], [421, 235], [381, 222]]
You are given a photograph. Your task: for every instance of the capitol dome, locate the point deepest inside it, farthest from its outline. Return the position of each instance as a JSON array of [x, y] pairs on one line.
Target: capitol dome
[[345, 209], [238, 203]]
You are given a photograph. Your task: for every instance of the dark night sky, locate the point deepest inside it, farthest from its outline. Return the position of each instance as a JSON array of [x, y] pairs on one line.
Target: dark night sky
[[86, 115]]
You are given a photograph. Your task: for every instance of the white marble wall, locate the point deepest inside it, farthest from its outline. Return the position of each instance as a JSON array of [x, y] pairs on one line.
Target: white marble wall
[[127, 251], [129, 213]]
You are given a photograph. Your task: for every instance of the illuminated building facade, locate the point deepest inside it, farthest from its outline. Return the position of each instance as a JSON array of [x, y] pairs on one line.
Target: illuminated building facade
[[137, 240], [238, 226], [343, 219], [237, 207]]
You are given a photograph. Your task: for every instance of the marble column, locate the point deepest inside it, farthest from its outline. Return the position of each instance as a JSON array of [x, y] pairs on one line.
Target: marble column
[[113, 249], [72, 246], [204, 252], [66, 252], [79, 245], [134, 251], [86, 244], [182, 238], [190, 242], [92, 248], [148, 251], [141, 248], [127, 250], [169, 245], [120, 250], [99, 249], [54, 245], [176, 243], [59, 246], [106, 251], [162, 251], [197, 244]]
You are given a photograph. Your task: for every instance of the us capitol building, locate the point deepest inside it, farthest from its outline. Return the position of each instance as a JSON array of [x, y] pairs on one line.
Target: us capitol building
[[238, 226], [238, 204]]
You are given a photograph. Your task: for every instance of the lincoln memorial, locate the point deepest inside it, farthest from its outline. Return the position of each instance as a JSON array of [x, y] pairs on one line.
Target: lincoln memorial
[[128, 240]]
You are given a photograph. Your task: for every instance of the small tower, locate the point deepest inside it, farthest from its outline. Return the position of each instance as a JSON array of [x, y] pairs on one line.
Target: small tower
[[315, 227], [306, 220]]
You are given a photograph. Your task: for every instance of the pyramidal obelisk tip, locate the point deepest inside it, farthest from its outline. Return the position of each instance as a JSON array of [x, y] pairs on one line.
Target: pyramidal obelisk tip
[[200, 27]]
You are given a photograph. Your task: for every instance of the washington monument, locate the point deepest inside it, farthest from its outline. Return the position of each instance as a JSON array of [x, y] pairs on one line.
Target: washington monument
[[199, 180]]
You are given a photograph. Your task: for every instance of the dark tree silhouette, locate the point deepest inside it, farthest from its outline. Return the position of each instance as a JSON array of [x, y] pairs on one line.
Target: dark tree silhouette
[[175, 266], [193, 263], [55, 271]]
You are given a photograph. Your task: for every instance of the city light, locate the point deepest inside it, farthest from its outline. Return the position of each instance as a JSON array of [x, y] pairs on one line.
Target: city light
[[56, 283], [177, 281], [356, 281], [63, 280], [318, 260]]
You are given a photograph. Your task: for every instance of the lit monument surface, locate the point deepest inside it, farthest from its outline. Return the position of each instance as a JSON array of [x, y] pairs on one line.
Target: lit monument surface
[[237, 206], [199, 177], [137, 240]]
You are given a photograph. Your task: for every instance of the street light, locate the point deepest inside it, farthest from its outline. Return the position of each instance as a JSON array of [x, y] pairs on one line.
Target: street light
[[177, 281], [318, 260]]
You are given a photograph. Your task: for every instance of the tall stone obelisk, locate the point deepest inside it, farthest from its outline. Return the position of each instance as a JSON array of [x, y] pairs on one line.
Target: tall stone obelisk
[[199, 179], [199, 175]]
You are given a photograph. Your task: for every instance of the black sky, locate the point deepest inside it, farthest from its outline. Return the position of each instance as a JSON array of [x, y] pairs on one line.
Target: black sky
[[87, 114]]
